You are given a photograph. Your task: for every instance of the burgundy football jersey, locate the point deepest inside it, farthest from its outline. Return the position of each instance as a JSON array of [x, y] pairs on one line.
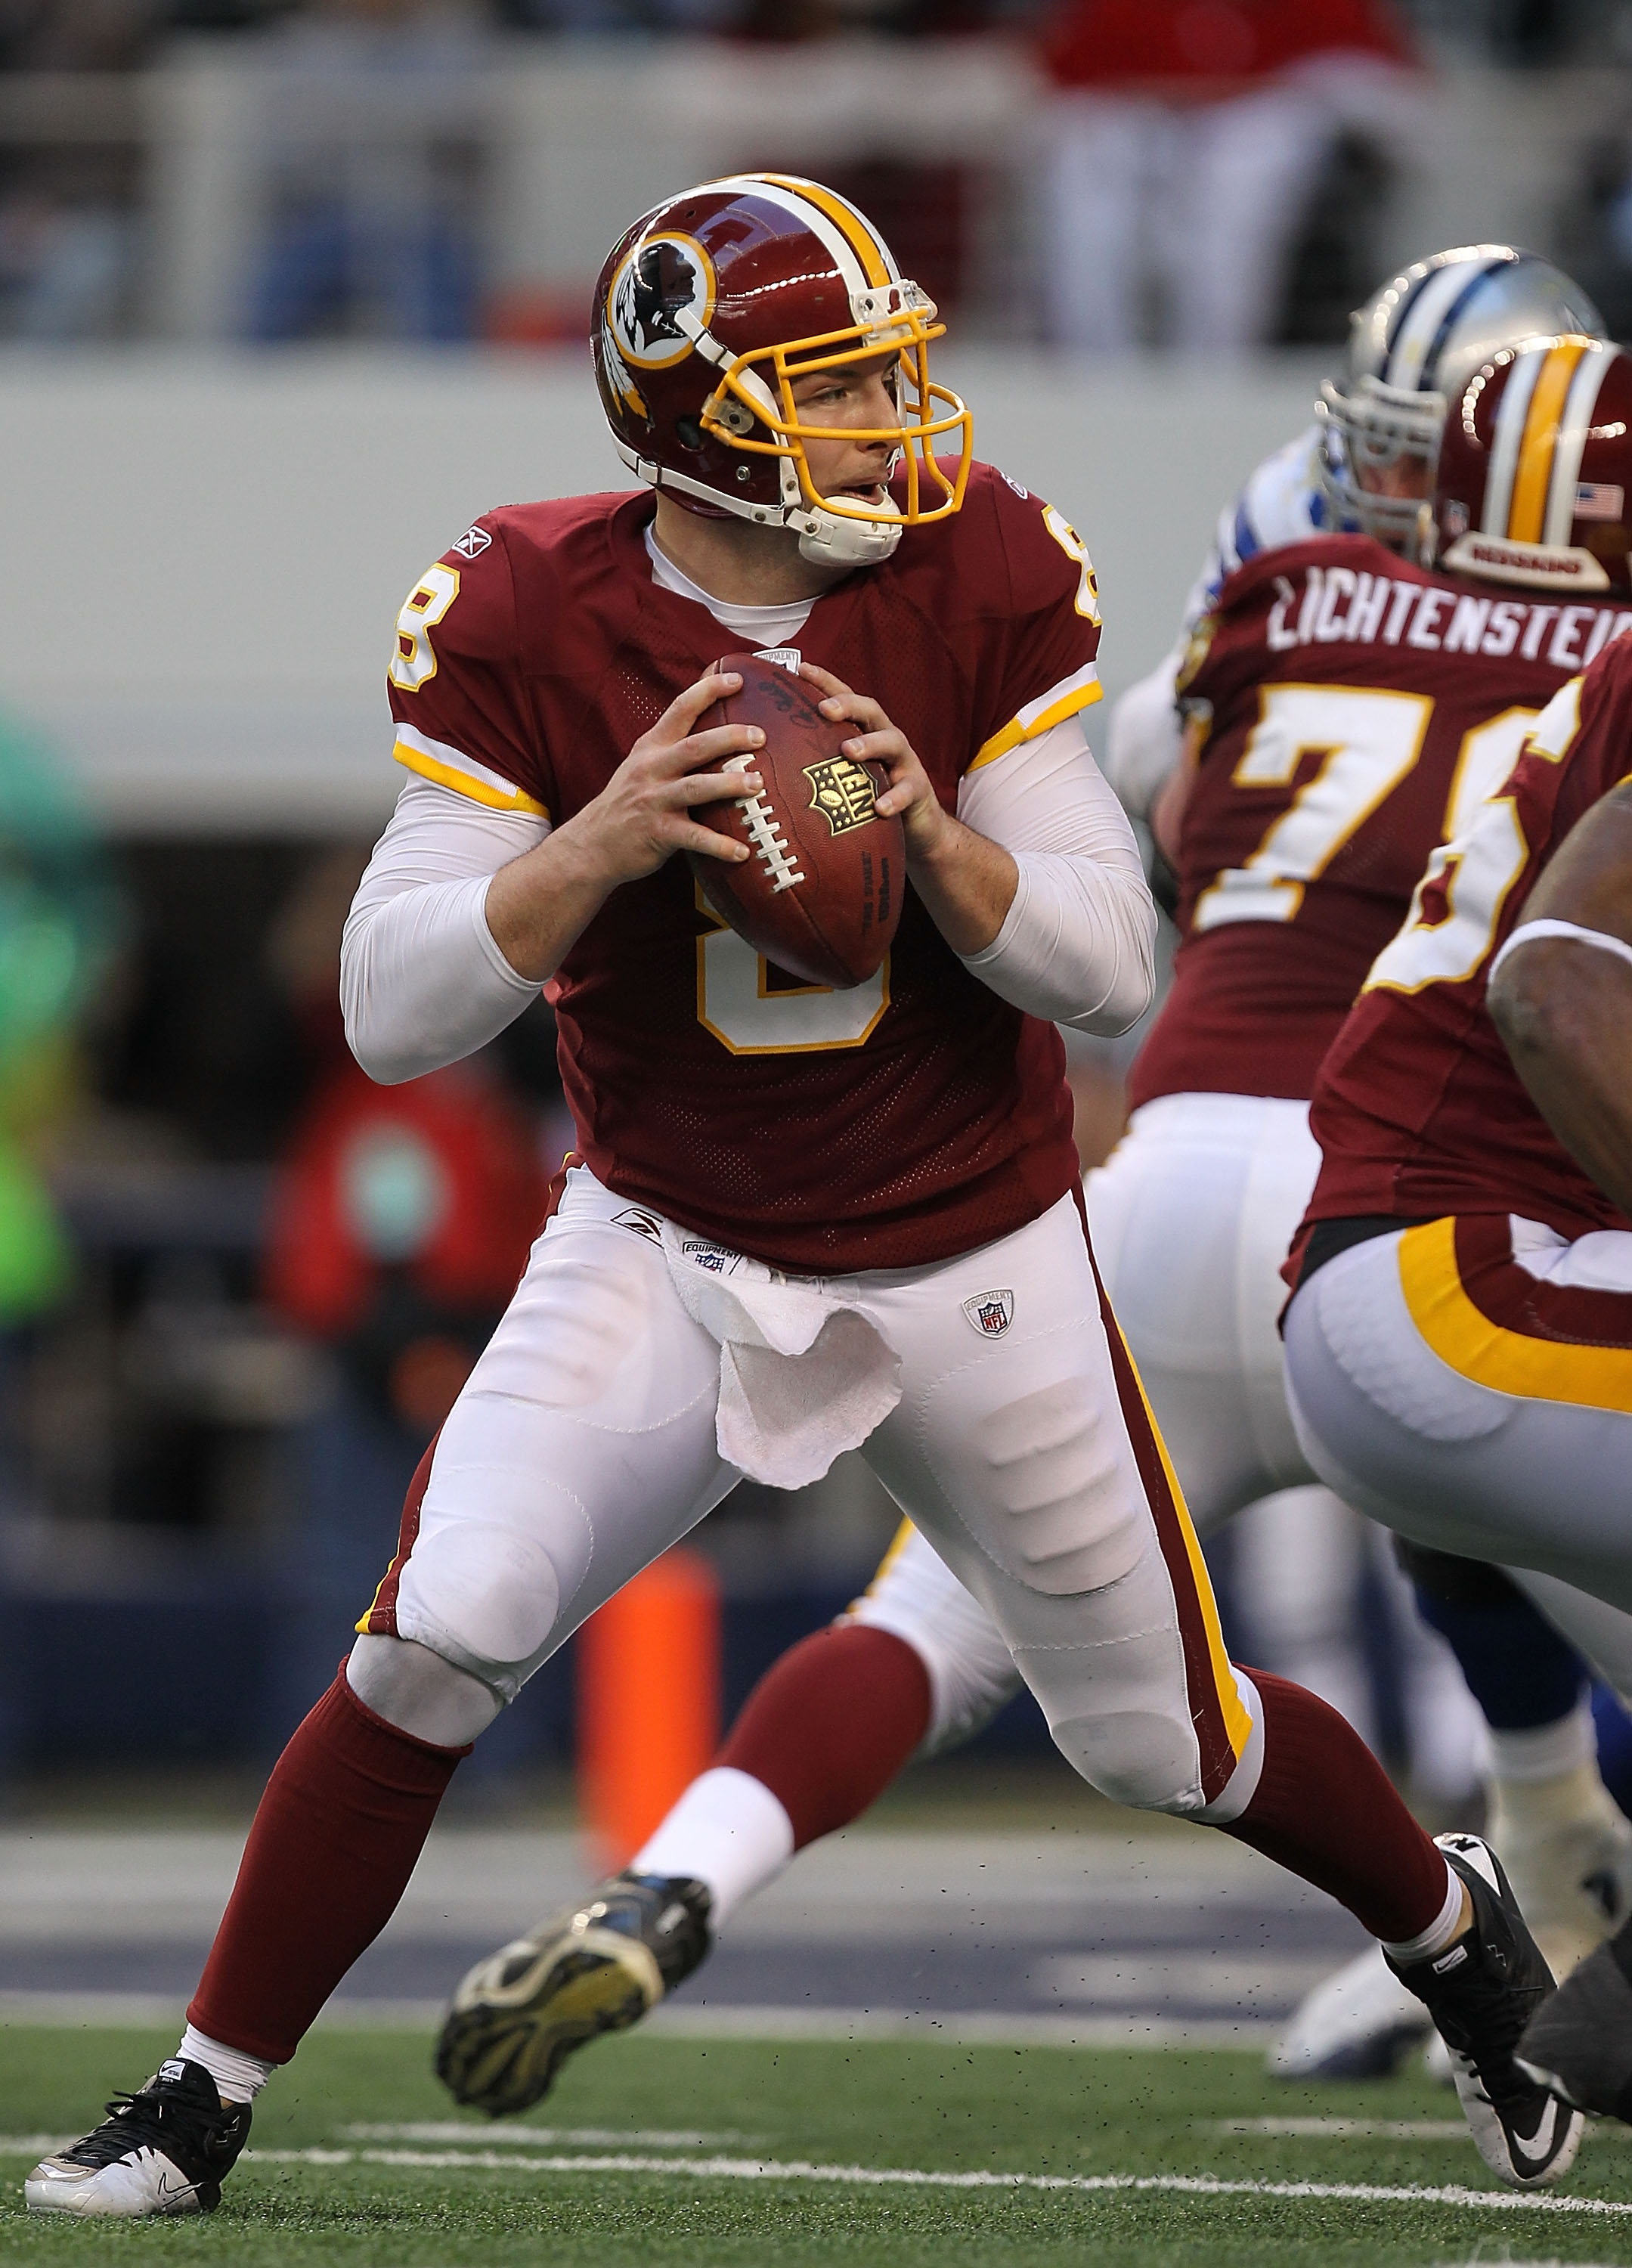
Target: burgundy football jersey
[[1418, 1110], [910, 1118], [1360, 707]]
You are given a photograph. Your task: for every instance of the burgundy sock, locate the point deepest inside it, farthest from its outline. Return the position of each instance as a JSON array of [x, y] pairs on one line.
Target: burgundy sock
[[1326, 1810], [828, 1726], [335, 1838]]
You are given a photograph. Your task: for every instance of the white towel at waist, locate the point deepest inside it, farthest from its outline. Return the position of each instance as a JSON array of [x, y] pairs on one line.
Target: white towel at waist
[[804, 1373]]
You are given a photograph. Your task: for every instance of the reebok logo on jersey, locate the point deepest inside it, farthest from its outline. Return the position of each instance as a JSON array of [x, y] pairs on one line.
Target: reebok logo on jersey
[[990, 1313], [472, 543]]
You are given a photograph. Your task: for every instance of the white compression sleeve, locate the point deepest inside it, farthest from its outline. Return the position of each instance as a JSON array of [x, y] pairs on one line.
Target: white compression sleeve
[[421, 981], [1079, 944]]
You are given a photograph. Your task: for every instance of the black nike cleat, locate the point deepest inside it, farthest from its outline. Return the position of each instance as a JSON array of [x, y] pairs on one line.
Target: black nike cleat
[[1481, 1993], [596, 1969], [164, 2150], [1579, 2045]]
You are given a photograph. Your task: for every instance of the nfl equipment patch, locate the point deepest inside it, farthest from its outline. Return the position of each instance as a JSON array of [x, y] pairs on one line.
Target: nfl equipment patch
[[990, 1313]]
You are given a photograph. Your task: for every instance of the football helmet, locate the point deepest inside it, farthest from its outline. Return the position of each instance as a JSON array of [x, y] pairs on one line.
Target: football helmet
[[1536, 473], [707, 311], [1411, 349]]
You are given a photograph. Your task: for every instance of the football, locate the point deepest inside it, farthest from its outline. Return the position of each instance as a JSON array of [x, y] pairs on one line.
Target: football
[[821, 895]]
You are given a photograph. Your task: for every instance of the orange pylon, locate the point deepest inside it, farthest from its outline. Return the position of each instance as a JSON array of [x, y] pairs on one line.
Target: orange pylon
[[648, 1699]]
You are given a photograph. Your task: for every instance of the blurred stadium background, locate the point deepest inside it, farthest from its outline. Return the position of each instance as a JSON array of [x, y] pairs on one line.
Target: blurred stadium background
[[288, 294]]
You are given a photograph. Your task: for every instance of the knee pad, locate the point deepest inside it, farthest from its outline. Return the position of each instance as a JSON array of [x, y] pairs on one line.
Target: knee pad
[[1136, 1757], [485, 1598]]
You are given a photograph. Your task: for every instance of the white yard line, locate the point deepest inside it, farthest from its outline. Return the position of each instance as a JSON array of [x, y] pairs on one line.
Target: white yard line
[[799, 2170], [1387, 2130], [456, 2131], [511, 2161]]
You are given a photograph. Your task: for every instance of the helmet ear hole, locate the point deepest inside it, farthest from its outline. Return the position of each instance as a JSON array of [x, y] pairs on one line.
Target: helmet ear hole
[[688, 433]]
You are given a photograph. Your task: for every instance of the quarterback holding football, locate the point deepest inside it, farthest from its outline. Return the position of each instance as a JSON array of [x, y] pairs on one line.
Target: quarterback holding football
[[802, 1216]]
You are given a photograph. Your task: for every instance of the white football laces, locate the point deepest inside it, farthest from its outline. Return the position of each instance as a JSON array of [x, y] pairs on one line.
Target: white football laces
[[764, 831]]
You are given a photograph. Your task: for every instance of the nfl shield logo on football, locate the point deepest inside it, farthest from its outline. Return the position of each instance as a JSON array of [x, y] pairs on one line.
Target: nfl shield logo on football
[[990, 1313]]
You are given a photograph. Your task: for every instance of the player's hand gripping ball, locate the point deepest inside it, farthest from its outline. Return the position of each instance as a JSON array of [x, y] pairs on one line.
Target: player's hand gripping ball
[[821, 894]]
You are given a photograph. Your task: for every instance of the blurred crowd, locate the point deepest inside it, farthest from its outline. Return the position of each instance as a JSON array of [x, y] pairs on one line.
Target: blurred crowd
[[1227, 159]]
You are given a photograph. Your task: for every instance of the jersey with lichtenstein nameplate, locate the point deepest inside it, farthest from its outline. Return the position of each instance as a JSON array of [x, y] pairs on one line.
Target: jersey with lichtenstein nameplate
[[912, 1117], [1418, 1110], [1360, 707]]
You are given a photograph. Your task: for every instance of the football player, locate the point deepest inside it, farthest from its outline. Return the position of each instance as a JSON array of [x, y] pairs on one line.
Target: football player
[[1412, 346], [1342, 743], [861, 1181], [1459, 1340], [1414, 343], [1561, 999]]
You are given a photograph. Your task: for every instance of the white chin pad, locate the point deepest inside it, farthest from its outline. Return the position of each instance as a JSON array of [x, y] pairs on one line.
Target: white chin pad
[[831, 538]]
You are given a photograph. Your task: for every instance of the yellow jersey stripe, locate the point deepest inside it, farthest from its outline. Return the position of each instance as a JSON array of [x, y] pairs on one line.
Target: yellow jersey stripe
[[844, 217], [489, 789], [1238, 1722], [1039, 717], [1489, 1354], [1527, 514]]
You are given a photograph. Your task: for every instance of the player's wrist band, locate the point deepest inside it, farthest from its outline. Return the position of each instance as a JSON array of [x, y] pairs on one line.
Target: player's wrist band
[[1528, 931]]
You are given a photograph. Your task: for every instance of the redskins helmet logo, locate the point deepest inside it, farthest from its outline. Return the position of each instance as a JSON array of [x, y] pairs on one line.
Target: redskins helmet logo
[[663, 278]]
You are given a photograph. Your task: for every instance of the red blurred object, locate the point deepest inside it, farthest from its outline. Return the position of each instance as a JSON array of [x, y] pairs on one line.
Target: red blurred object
[[531, 316], [1111, 44], [439, 1179], [648, 1699]]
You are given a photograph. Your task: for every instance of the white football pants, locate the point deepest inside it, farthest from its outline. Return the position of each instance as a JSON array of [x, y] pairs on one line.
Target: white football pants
[[585, 1444], [1192, 1216], [1470, 1383]]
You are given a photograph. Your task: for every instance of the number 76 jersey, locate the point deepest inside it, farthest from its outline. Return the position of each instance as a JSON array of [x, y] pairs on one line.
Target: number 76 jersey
[[1357, 710]]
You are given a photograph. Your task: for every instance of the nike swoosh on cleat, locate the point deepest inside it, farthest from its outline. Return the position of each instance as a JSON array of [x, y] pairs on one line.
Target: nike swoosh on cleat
[[1534, 2150]]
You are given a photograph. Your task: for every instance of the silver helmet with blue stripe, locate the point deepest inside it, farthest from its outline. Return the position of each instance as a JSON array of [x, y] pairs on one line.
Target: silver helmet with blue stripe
[[1411, 349]]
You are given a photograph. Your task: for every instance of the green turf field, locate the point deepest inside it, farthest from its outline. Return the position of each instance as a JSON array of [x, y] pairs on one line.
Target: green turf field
[[612, 2177]]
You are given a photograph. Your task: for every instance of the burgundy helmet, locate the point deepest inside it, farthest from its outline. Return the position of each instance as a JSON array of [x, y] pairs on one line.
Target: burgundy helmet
[[1535, 469], [709, 309]]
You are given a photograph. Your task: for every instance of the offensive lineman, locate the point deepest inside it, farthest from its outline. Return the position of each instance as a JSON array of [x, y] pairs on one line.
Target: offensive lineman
[[1293, 871], [1561, 999], [1459, 1339], [760, 356]]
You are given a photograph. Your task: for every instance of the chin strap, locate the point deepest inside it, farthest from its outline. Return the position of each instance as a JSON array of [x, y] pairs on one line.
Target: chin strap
[[827, 539]]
